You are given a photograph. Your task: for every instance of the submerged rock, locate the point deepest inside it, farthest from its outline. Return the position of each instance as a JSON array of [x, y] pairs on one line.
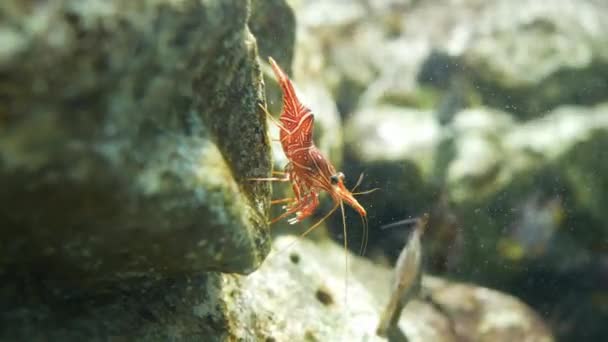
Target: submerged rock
[[386, 51], [505, 53], [394, 134], [493, 151], [127, 134], [298, 294]]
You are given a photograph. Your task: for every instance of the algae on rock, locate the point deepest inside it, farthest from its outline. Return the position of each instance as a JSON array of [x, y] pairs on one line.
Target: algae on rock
[[294, 296], [127, 133]]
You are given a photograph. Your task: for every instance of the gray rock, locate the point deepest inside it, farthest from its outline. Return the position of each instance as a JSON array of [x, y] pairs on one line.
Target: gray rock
[[558, 52], [308, 298], [384, 52], [492, 150], [298, 294], [127, 134], [394, 134]]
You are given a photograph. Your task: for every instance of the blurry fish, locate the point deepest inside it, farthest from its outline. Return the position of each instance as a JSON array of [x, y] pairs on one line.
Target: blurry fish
[[408, 273], [533, 231]]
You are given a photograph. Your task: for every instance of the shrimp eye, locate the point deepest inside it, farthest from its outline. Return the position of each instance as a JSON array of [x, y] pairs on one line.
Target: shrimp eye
[[334, 179]]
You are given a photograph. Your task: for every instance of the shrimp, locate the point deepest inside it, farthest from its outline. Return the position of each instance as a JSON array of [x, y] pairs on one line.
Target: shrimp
[[308, 170]]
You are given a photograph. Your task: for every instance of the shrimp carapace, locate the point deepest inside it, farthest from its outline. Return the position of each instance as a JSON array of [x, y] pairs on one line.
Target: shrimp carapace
[[309, 171]]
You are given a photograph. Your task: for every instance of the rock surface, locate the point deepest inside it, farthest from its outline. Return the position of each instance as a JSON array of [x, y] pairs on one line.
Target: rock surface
[[127, 133], [298, 295]]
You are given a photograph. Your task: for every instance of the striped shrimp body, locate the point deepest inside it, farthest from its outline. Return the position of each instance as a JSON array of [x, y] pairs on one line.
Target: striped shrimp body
[[308, 170]]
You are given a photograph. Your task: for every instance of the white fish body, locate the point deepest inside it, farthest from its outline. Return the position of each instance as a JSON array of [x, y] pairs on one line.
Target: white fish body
[[408, 273]]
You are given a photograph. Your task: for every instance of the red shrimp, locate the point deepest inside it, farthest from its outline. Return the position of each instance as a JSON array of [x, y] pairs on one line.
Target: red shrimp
[[308, 170]]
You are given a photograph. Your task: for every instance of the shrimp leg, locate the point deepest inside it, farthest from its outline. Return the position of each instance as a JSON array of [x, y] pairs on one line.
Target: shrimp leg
[[282, 200], [269, 179], [307, 208], [285, 177], [274, 120]]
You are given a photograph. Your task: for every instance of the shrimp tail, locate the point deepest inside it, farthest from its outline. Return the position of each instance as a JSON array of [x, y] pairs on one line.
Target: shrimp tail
[[295, 115], [289, 92], [279, 73]]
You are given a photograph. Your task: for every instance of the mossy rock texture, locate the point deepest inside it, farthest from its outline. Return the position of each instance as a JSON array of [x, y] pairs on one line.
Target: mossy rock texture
[[299, 294], [128, 132]]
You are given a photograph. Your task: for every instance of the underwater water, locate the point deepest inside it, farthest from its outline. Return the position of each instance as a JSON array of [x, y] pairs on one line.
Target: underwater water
[[438, 172]]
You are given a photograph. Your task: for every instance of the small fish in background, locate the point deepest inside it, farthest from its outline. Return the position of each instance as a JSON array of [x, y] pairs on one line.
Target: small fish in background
[[408, 274], [531, 235]]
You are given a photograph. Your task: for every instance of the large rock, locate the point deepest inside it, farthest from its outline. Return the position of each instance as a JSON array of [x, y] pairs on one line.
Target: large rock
[[558, 52], [491, 149], [298, 294], [127, 134]]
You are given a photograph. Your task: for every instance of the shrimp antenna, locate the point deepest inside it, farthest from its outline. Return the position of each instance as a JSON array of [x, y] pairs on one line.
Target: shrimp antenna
[[358, 182], [345, 256], [366, 191], [365, 238], [273, 119]]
